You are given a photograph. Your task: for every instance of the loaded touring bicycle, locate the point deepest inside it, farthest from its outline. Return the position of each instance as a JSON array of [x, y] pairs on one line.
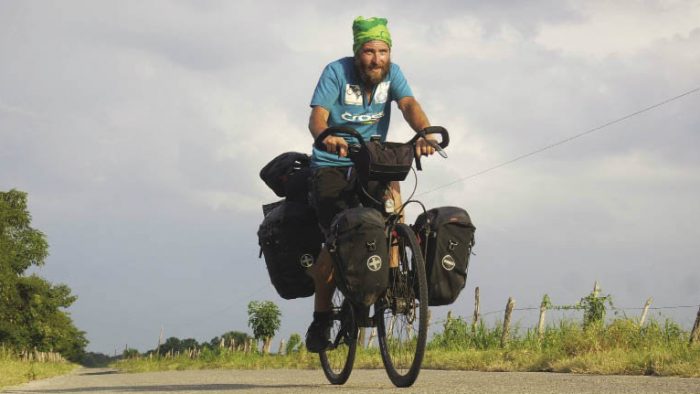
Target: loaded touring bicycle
[[387, 273]]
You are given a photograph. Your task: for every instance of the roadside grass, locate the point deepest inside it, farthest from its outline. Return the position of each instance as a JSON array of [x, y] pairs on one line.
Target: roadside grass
[[13, 371], [620, 347]]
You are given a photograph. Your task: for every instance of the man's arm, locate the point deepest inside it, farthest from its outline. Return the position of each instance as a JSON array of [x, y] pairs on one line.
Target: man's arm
[[416, 118], [413, 113], [318, 121]]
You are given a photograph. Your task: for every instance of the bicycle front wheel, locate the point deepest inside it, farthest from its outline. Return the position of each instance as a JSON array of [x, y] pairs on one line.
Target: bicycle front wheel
[[402, 316], [337, 360]]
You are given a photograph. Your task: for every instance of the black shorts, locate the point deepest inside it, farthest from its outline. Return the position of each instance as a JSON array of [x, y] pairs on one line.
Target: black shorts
[[334, 189]]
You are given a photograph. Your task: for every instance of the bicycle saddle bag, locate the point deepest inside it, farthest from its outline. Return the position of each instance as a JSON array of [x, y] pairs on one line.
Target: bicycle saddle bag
[[446, 235], [389, 161], [360, 253], [290, 240]]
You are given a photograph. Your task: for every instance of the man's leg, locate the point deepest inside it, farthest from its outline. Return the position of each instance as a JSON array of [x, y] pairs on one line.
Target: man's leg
[[330, 194], [319, 330], [395, 194], [322, 273]]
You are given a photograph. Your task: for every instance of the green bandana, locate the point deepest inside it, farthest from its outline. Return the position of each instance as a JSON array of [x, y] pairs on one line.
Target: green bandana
[[364, 30]]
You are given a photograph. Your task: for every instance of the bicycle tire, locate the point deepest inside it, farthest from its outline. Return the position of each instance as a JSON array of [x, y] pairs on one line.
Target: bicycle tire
[[338, 359], [402, 357]]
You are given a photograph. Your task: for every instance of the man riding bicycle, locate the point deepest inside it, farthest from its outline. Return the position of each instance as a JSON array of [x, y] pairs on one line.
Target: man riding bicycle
[[356, 92]]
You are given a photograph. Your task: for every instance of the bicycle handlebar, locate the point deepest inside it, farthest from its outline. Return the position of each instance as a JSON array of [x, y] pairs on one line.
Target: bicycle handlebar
[[335, 130]]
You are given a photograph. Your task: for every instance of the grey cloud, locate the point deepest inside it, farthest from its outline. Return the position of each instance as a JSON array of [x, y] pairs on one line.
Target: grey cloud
[[138, 130]]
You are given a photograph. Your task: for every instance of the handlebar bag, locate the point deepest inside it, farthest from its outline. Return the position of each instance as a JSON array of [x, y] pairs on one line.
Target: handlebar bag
[[446, 235], [287, 175], [360, 253], [290, 240], [389, 161]]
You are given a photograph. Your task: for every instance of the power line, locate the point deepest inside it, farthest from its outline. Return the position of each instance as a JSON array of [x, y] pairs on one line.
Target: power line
[[564, 141]]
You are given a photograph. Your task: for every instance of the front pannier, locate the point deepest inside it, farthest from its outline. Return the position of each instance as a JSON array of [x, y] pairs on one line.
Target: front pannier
[[360, 254], [389, 161], [290, 240], [447, 247]]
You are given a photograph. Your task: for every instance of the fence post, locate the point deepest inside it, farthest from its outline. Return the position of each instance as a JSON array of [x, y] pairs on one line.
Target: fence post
[[696, 329], [477, 312], [361, 337], [160, 341], [372, 334], [543, 311], [390, 332], [506, 321], [644, 312], [281, 351]]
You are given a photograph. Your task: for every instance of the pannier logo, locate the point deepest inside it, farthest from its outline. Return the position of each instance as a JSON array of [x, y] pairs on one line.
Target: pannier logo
[[374, 263], [306, 260], [448, 262]]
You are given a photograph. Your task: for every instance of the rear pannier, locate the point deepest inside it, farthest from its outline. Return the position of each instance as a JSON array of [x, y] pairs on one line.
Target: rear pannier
[[290, 240], [358, 245], [446, 235]]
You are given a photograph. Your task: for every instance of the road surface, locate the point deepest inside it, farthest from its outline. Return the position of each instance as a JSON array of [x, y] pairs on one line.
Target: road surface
[[367, 381]]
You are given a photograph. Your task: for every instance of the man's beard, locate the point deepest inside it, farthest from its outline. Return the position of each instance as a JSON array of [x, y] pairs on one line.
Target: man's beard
[[372, 79]]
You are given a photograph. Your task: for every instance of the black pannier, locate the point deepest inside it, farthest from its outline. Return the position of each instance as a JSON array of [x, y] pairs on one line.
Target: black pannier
[[287, 175], [360, 254], [385, 162], [447, 247], [290, 240], [374, 161]]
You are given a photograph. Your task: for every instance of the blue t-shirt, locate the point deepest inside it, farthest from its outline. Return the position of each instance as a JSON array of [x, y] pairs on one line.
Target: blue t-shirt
[[340, 91]]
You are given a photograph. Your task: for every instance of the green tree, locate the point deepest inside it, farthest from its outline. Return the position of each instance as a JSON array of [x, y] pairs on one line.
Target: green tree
[[173, 344], [293, 344], [189, 343], [95, 360], [264, 318], [238, 337], [130, 353], [32, 310]]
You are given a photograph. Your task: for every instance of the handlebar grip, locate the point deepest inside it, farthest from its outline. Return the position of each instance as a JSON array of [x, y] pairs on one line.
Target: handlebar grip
[[445, 136], [335, 130]]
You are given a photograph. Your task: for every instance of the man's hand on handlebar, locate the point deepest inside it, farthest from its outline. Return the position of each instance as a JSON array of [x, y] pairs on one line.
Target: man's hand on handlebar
[[423, 148], [335, 144]]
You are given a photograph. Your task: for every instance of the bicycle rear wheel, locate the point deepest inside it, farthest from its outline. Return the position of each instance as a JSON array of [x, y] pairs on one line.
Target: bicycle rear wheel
[[402, 319], [337, 360]]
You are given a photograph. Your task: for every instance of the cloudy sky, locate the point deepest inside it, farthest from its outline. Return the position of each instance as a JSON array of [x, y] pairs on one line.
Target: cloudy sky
[[138, 129]]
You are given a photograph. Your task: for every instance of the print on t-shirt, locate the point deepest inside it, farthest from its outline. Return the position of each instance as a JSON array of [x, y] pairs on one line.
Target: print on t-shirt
[[353, 95], [382, 92]]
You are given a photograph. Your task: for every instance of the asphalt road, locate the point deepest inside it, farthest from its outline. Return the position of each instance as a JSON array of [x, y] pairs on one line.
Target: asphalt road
[[305, 381]]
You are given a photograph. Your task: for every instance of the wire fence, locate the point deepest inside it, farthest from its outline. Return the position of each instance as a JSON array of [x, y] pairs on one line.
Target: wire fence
[[585, 305], [613, 308]]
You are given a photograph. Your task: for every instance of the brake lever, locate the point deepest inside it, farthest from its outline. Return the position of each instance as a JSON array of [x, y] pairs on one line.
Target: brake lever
[[437, 147]]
